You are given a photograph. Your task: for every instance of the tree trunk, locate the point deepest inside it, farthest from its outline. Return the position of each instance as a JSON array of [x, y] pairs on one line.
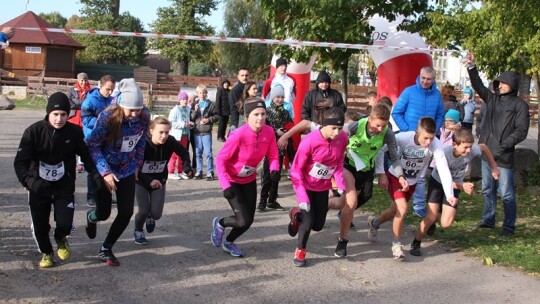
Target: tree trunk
[[115, 8], [344, 78], [184, 66], [524, 84]]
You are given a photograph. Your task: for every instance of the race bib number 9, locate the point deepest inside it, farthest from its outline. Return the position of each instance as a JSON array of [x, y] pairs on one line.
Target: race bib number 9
[[51, 173], [153, 166], [129, 142], [321, 171], [247, 171]]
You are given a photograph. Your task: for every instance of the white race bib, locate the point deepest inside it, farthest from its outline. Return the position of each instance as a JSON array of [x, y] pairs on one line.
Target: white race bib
[[247, 171], [153, 166], [321, 171], [412, 166], [51, 172], [358, 163], [129, 142]]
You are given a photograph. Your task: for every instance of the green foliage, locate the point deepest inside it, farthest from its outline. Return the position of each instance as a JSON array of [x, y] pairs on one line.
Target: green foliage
[[100, 15], [36, 103], [532, 175], [55, 19], [200, 69], [244, 19], [183, 17]]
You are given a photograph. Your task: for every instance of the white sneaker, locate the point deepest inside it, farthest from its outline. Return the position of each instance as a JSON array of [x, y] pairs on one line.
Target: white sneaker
[[182, 175], [174, 176], [397, 251]]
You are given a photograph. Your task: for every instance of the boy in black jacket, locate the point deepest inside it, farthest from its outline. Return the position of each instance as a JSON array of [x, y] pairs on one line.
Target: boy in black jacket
[[45, 165]]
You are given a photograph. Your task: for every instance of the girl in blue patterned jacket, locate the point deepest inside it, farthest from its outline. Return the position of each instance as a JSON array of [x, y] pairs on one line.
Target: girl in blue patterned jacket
[[116, 146]]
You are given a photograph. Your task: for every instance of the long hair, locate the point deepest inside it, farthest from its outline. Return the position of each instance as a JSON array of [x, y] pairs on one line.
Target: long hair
[[115, 123], [245, 95]]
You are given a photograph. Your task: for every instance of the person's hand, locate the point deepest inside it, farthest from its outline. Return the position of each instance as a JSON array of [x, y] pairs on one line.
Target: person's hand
[[453, 201], [228, 193], [110, 181], [8, 31], [468, 188], [37, 185], [186, 166], [275, 175], [304, 206], [404, 184], [155, 184], [382, 180], [204, 121], [468, 60], [282, 142], [496, 173]]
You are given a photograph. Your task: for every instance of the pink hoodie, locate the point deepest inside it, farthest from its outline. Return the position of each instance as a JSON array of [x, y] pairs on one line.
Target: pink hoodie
[[244, 149], [314, 162]]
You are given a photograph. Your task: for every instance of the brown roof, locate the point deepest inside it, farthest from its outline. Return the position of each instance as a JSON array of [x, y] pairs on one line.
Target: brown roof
[[29, 19]]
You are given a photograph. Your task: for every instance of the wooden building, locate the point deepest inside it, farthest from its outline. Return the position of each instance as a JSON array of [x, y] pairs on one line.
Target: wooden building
[[31, 52]]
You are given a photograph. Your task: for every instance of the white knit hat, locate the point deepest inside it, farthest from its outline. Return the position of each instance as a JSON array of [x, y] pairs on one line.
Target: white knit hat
[[130, 96]]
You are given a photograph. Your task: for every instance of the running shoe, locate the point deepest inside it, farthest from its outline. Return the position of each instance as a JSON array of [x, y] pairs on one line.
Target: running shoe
[[90, 226], [183, 176], [91, 202], [210, 176], [150, 224], [341, 248], [139, 238], [198, 175], [397, 251], [299, 257], [432, 228], [294, 225], [232, 249], [64, 250], [173, 176], [108, 257], [47, 261], [372, 232], [415, 248], [274, 206], [217, 232]]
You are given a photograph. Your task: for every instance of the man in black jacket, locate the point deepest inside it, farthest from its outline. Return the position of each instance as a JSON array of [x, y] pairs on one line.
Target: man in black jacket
[[236, 94], [321, 91], [223, 108], [45, 165], [504, 125]]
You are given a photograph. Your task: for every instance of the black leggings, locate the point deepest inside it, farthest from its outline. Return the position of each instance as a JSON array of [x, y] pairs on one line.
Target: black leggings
[[315, 218], [269, 188], [125, 197], [222, 127], [243, 206], [40, 210]]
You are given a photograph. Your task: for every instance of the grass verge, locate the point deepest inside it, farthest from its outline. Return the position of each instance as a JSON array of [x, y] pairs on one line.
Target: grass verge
[[521, 251], [37, 103]]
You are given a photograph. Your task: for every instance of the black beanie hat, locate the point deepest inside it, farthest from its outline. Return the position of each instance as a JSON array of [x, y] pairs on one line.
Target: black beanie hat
[[281, 61], [58, 101]]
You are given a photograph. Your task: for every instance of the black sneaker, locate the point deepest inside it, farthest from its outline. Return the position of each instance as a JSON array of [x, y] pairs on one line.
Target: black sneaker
[[341, 248], [108, 257], [274, 206], [432, 228], [210, 176], [506, 233], [90, 226], [91, 202], [261, 206], [415, 248], [198, 175], [482, 225]]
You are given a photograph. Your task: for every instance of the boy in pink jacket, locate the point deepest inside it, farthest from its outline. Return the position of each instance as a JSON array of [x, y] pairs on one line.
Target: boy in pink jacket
[[237, 165], [318, 159]]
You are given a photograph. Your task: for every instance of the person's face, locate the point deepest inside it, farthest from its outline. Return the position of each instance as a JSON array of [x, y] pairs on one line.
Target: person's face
[[450, 124], [323, 85], [131, 113], [160, 133], [331, 132], [190, 101], [82, 82], [371, 100], [252, 91], [424, 138], [281, 69], [426, 79], [58, 118], [225, 85], [106, 89], [278, 100], [256, 119], [375, 125], [462, 149], [243, 76], [504, 88], [183, 102], [202, 95]]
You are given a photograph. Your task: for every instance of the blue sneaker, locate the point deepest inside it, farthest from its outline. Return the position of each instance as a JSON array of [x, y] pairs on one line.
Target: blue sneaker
[[217, 232], [231, 248], [420, 212], [150, 224], [139, 238]]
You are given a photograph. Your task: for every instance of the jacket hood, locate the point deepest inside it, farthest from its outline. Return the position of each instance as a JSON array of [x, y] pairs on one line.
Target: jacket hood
[[323, 77], [433, 86], [469, 91], [511, 79]]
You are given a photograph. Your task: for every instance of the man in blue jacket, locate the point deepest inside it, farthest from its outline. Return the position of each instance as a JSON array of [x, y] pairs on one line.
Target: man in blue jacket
[[419, 100]]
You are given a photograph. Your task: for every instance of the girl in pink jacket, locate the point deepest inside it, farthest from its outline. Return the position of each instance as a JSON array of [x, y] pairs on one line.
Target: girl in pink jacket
[[236, 164], [318, 159]]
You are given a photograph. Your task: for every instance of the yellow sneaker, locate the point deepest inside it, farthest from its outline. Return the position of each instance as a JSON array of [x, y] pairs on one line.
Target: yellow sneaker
[[46, 261], [64, 251]]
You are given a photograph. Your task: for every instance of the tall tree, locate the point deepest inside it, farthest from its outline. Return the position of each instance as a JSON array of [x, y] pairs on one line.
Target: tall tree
[[55, 19], [183, 17], [244, 19], [104, 15], [333, 21]]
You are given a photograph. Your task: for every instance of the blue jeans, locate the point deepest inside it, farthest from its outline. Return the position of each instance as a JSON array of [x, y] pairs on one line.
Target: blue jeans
[[203, 143], [508, 195], [419, 196]]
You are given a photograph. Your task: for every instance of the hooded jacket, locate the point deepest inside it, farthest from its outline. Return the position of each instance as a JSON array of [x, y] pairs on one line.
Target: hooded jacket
[[506, 119], [308, 106], [416, 102], [94, 104], [222, 100]]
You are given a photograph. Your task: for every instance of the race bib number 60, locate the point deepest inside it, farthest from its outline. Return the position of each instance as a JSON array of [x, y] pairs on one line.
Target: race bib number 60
[[321, 171]]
